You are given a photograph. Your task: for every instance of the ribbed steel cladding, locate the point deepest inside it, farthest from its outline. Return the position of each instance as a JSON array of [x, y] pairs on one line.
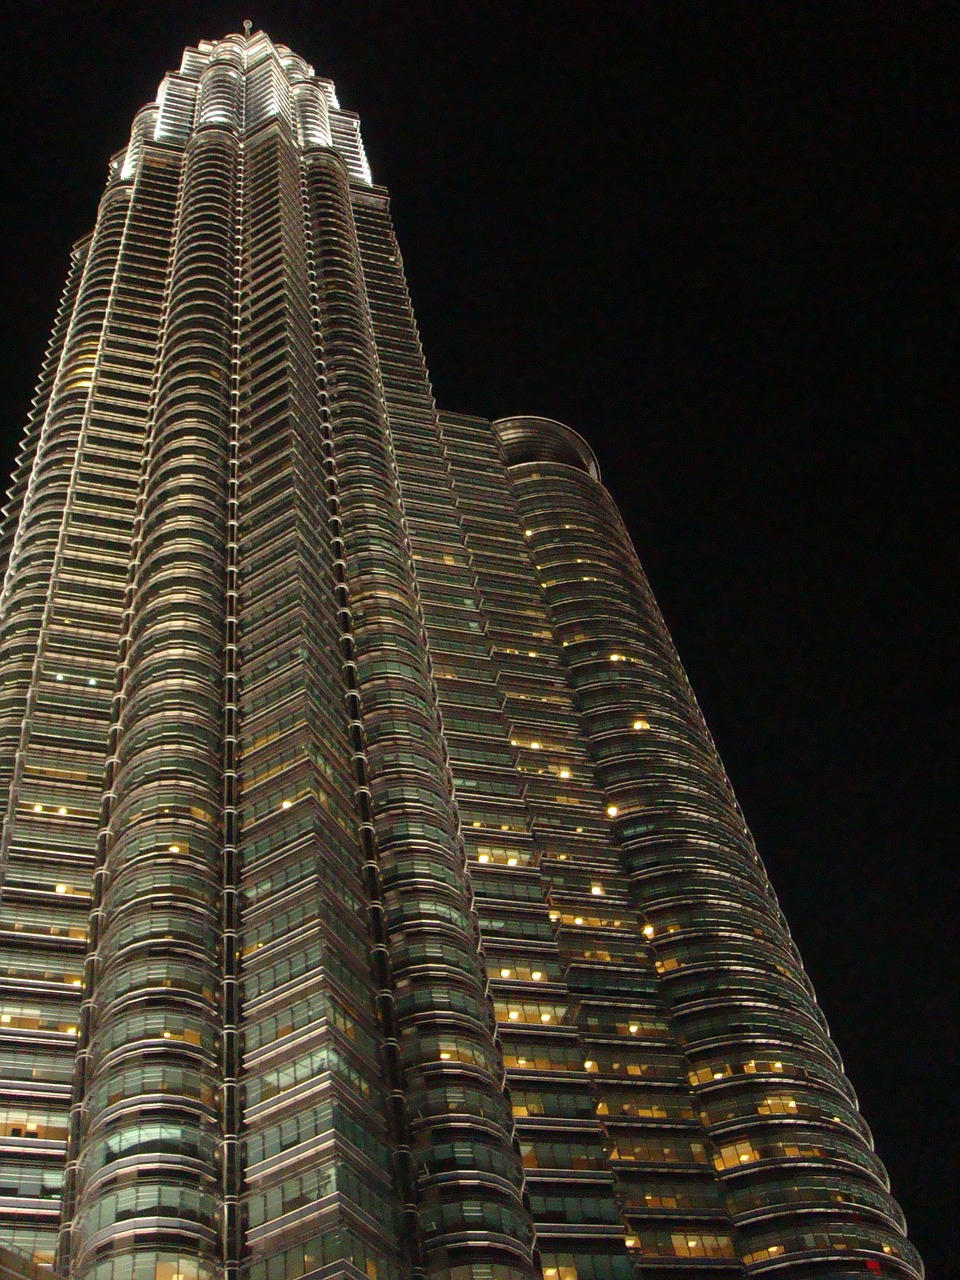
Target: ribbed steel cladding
[[427, 895], [23, 469], [122, 400], [52, 836], [767, 1076], [159, 1039], [29, 581], [315, 1106]]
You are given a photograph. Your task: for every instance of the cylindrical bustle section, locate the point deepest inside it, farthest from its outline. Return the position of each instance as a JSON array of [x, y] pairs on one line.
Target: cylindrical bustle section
[[769, 1080]]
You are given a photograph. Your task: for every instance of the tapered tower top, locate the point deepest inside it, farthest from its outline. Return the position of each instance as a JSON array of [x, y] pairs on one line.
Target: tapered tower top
[[242, 83]]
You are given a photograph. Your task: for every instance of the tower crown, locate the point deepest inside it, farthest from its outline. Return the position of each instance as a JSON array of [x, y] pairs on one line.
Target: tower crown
[[242, 83]]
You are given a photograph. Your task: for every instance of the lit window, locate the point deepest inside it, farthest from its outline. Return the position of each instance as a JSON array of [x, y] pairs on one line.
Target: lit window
[[285, 804], [528, 533], [444, 1057], [62, 888], [92, 682], [59, 676], [641, 724], [578, 919], [536, 975], [514, 1015], [564, 773], [511, 862], [545, 1017], [38, 808], [597, 890], [612, 810], [616, 657], [535, 746], [648, 930], [62, 811], [483, 857], [505, 973], [174, 848]]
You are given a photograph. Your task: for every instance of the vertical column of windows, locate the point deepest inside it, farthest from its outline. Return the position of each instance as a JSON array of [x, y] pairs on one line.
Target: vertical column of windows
[[768, 1081], [51, 831], [221, 101], [150, 1112], [23, 467], [317, 1154], [40, 967], [470, 1210], [30, 583]]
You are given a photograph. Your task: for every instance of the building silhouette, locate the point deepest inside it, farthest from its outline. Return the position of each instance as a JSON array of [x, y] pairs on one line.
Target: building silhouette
[[374, 900]]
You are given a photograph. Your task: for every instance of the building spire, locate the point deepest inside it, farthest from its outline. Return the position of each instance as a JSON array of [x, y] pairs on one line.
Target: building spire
[[247, 27]]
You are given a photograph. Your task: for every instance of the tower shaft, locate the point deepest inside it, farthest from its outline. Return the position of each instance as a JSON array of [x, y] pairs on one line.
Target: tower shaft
[[374, 900]]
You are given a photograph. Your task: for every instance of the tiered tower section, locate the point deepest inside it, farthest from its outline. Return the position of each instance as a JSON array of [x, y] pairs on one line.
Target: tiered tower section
[[374, 901]]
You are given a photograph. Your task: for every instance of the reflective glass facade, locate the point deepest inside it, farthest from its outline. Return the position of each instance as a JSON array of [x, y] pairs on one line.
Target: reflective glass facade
[[374, 900]]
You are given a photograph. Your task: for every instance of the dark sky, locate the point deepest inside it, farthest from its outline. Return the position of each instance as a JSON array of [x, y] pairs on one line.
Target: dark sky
[[715, 238]]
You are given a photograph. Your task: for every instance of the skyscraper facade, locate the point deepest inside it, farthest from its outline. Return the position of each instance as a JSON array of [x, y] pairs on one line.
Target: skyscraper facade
[[374, 901]]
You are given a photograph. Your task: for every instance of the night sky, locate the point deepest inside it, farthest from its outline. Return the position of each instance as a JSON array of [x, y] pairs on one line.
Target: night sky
[[715, 239]]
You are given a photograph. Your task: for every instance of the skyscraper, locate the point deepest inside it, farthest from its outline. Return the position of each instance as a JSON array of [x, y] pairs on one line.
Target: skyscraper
[[374, 899]]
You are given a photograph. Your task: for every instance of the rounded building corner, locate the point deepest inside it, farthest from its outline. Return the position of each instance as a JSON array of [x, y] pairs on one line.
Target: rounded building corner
[[530, 438]]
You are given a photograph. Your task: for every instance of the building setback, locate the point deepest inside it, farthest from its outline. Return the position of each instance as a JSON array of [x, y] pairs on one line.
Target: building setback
[[374, 902]]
